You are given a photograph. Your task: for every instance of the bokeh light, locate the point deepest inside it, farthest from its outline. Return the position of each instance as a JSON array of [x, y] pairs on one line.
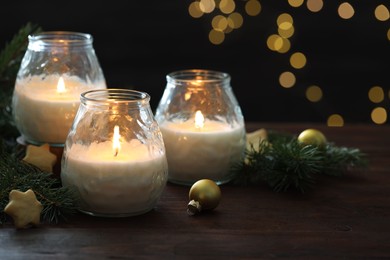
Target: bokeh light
[[207, 6], [379, 115], [284, 18], [376, 94], [298, 60], [216, 37], [345, 10], [295, 3], [227, 16], [235, 20], [219, 23], [285, 45], [286, 33], [314, 93], [314, 5], [227, 6], [382, 13], [194, 10], [253, 7], [272, 42], [335, 120], [287, 79]]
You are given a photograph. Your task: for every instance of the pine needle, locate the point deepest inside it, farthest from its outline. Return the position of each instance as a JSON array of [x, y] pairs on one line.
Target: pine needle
[[57, 201], [284, 164], [10, 58]]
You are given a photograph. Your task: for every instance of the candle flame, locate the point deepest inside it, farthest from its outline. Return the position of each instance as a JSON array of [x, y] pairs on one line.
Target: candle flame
[[116, 145], [199, 119], [61, 86]]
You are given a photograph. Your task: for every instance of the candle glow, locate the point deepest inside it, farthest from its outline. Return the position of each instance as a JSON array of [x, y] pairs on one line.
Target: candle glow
[[61, 85], [44, 107], [116, 145], [199, 120]]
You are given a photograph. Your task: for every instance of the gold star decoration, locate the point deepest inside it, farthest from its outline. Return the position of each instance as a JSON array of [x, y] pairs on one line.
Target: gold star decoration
[[41, 157], [24, 208], [254, 139]]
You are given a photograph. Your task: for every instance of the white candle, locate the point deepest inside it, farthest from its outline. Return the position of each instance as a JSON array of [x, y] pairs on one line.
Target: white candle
[[196, 152], [44, 108], [112, 180]]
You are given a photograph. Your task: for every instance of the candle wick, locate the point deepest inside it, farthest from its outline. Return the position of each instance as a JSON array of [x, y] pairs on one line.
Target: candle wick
[[116, 152]]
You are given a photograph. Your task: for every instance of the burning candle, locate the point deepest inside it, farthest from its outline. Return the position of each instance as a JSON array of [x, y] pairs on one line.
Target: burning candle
[[119, 168], [202, 126], [57, 67], [44, 109], [198, 149], [113, 178]]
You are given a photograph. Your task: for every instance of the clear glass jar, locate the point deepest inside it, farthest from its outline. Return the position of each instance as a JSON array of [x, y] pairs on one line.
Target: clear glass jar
[[202, 126], [114, 156], [56, 68]]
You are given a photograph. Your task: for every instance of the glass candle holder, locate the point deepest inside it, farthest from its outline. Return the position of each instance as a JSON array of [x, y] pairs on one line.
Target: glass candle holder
[[114, 156], [202, 126], [56, 68]]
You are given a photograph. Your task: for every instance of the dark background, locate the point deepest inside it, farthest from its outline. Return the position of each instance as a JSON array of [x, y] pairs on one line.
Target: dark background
[[139, 42]]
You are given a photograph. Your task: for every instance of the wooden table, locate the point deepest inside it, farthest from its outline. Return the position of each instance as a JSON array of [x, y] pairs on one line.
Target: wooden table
[[346, 217]]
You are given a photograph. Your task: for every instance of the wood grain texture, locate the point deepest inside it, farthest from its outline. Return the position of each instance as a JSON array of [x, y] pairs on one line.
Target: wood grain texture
[[342, 218]]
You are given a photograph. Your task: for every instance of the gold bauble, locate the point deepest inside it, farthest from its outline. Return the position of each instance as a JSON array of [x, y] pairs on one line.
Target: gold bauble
[[312, 137], [204, 194]]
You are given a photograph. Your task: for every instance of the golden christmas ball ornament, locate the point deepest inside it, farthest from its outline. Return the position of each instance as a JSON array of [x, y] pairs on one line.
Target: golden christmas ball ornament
[[204, 194], [312, 137]]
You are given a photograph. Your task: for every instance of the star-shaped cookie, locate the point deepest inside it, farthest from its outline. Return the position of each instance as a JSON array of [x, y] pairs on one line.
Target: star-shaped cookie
[[41, 157], [24, 208]]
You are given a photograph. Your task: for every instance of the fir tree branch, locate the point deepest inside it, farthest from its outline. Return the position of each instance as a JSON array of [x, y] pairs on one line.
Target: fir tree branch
[[12, 54], [10, 59], [57, 201], [283, 163]]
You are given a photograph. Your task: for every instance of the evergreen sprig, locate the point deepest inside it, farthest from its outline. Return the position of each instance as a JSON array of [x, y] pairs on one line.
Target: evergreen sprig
[[57, 201], [10, 58], [283, 163]]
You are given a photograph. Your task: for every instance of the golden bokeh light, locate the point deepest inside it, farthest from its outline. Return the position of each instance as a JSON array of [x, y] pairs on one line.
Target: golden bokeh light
[[272, 41], [235, 20], [287, 79], [314, 5], [285, 45], [286, 33], [207, 6], [382, 13], [219, 23], [284, 18], [253, 7], [228, 29], [279, 44], [216, 37], [379, 115], [228, 15], [298, 60], [314, 93], [376, 94], [194, 10], [335, 120], [227, 6], [295, 3], [346, 10], [285, 25]]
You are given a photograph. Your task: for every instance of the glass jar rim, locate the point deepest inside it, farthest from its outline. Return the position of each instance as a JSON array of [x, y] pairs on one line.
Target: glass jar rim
[[60, 38], [201, 75], [115, 95]]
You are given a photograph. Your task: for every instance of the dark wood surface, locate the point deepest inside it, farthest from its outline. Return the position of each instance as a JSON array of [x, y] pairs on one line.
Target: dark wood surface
[[341, 218]]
